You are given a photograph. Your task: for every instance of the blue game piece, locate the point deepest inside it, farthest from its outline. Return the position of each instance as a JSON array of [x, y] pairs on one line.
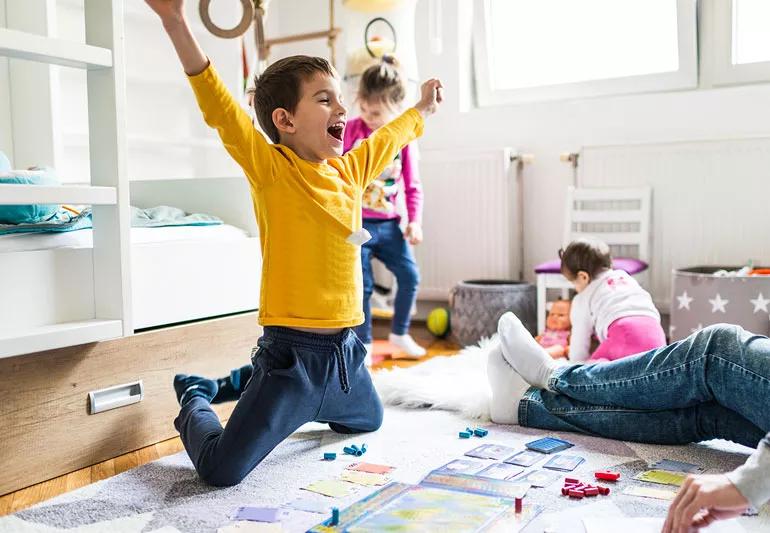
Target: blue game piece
[[469, 430], [363, 448], [480, 432], [465, 435], [549, 445], [335, 520], [330, 456], [348, 450]]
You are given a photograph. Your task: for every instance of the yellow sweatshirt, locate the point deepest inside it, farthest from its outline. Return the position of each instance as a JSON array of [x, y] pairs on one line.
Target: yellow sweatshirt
[[311, 274]]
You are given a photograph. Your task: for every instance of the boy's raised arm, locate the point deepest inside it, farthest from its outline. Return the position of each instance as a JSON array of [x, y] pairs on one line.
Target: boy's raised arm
[[220, 110], [171, 13], [369, 159]]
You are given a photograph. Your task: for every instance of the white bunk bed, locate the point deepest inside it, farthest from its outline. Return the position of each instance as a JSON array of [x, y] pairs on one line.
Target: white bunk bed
[[92, 285]]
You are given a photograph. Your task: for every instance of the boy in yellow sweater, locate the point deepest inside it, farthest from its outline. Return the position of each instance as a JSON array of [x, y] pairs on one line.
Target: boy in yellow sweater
[[307, 199]]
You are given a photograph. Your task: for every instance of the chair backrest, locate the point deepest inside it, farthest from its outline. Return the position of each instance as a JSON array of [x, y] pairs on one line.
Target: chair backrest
[[618, 216]]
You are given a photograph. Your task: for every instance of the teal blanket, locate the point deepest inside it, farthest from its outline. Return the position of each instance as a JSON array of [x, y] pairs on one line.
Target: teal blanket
[[153, 217]]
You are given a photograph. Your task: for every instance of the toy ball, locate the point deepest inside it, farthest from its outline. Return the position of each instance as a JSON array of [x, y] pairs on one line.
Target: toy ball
[[438, 322]]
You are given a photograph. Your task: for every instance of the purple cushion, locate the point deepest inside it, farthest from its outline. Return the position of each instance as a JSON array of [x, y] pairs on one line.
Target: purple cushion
[[630, 265]]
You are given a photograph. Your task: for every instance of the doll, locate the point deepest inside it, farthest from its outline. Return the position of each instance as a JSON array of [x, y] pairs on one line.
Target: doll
[[555, 338]]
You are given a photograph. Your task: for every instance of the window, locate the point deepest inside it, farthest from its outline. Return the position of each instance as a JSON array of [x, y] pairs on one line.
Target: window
[[527, 50], [741, 42]]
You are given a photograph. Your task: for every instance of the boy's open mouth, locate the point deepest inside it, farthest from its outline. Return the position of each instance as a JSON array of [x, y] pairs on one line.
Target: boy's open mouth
[[336, 130]]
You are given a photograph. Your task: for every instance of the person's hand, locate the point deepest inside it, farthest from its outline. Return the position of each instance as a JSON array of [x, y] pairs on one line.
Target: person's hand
[[702, 500], [431, 95], [167, 10], [557, 351], [413, 233]]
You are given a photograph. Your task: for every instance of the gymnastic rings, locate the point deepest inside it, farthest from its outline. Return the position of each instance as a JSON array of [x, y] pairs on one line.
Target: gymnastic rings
[[237, 31], [366, 34]]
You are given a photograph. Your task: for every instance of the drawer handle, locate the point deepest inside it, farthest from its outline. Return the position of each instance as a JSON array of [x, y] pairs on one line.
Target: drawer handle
[[114, 397]]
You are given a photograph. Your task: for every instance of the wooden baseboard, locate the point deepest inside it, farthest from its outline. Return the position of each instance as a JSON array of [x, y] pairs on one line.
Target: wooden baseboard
[[47, 430]]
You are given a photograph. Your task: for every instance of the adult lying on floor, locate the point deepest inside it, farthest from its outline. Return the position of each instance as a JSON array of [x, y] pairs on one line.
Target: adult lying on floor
[[715, 384]]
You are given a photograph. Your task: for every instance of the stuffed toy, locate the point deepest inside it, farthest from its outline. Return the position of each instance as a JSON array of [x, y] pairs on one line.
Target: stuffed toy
[[555, 338]]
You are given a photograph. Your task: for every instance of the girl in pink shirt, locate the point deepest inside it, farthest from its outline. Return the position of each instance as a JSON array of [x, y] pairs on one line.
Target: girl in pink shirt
[[381, 94]]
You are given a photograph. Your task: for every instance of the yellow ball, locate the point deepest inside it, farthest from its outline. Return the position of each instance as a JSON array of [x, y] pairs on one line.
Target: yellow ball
[[438, 322]]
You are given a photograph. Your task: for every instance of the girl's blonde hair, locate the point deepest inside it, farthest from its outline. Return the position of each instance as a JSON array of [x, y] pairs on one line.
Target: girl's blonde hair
[[383, 82]]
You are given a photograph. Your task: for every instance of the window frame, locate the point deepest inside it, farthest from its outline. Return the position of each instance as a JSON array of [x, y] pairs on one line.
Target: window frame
[[725, 72], [686, 77]]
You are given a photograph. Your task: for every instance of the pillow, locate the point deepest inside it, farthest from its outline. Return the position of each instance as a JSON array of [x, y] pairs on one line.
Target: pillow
[[32, 213]]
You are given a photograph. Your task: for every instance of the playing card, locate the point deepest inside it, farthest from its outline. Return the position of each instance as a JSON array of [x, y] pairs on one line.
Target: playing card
[[460, 466], [565, 463], [647, 492], [331, 487], [259, 514], [662, 477], [371, 468], [491, 451], [364, 478], [538, 478], [310, 505], [525, 458], [677, 466], [501, 471]]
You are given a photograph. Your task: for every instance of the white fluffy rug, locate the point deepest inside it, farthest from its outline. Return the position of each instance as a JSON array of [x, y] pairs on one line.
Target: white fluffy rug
[[452, 383]]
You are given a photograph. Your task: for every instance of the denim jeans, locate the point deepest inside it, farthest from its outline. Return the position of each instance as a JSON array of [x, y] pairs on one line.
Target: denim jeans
[[389, 246], [297, 377], [713, 384]]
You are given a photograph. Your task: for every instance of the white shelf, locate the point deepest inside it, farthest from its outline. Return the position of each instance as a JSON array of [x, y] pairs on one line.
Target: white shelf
[[18, 341], [23, 45], [62, 194]]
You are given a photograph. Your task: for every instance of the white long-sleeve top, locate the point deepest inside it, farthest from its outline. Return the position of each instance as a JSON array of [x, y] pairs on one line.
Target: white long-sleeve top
[[613, 294], [753, 478]]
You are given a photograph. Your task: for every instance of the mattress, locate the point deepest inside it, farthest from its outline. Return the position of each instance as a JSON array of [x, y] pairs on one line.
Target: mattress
[[24, 242]]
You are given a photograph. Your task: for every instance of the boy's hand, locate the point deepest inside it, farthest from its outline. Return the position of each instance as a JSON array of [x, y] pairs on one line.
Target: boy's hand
[[413, 233], [431, 95], [168, 10]]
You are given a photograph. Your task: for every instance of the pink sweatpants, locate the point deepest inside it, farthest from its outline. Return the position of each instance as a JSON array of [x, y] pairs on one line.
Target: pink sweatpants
[[629, 336]]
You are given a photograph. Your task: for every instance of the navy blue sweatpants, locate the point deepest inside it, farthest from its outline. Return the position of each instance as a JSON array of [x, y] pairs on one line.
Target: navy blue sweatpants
[[298, 377]]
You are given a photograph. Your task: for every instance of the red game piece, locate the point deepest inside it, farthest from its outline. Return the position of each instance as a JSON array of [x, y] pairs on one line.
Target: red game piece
[[518, 504], [576, 494], [603, 490], [607, 475], [591, 491], [571, 480], [564, 491]]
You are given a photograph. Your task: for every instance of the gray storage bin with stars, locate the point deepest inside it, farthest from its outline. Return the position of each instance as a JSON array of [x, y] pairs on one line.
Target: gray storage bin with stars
[[700, 299]]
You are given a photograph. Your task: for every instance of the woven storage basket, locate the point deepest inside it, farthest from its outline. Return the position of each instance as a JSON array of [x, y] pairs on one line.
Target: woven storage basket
[[477, 305]]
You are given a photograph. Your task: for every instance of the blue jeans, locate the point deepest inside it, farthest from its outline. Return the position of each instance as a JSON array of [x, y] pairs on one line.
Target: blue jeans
[[389, 246], [713, 384], [297, 378]]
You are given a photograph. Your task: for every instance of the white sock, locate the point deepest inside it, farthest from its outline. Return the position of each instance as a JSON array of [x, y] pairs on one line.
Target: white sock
[[523, 352], [507, 388], [407, 347]]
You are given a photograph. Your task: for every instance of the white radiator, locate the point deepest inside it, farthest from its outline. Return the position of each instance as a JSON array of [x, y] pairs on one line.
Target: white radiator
[[710, 200], [470, 220]]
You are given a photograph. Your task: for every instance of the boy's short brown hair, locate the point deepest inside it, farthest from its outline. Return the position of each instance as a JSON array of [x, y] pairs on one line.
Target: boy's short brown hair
[[587, 254], [280, 86]]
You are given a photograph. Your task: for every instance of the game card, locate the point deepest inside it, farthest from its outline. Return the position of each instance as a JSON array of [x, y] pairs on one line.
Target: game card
[[491, 451], [310, 505], [331, 487], [460, 466], [647, 492], [371, 468], [538, 478], [565, 463], [677, 466], [525, 458], [364, 478], [662, 477], [502, 471]]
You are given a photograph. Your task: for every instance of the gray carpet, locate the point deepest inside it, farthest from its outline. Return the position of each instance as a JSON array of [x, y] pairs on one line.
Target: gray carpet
[[166, 495]]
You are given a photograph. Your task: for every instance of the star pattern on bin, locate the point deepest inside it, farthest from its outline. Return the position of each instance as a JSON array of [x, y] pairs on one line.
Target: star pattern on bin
[[760, 303], [718, 304], [684, 300]]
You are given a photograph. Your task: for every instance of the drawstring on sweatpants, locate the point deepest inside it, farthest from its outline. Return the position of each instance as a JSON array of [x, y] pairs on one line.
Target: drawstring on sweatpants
[[342, 369]]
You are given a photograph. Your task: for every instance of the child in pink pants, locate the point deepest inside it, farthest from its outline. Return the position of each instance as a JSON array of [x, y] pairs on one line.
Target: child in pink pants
[[609, 303]]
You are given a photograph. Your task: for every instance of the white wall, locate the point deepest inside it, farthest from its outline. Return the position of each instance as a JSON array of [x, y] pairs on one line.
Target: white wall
[[6, 140], [547, 129]]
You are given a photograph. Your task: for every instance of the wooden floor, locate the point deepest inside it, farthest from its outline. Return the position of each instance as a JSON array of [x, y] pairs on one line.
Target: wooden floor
[[16, 501]]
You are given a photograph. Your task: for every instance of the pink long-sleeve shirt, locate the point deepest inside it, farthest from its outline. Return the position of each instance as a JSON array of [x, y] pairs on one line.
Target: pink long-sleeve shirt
[[379, 199]]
